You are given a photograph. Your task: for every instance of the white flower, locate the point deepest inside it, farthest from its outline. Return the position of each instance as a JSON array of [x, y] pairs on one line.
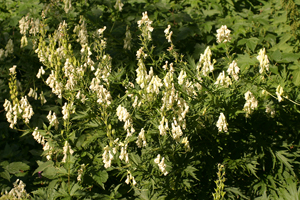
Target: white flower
[[18, 192], [169, 37], [41, 72], [53, 119], [32, 93], [119, 5], [221, 123], [13, 69], [24, 25], [141, 139], [157, 159], [279, 92], [107, 157], [233, 70], [176, 131], [154, 85], [263, 60], [163, 127], [38, 137], [186, 144], [223, 34], [162, 166], [66, 149], [222, 80], [80, 172], [68, 5], [27, 111], [101, 30], [67, 109], [129, 178], [181, 77], [24, 41], [205, 62], [251, 103], [166, 31]]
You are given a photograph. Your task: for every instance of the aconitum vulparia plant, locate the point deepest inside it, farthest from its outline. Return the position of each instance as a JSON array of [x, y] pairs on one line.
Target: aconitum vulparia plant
[[148, 132]]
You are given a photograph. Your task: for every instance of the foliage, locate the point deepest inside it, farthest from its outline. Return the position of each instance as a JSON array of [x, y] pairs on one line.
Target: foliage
[[124, 108]]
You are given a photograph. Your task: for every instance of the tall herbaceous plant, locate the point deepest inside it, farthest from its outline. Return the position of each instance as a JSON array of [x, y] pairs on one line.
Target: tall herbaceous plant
[[153, 134]]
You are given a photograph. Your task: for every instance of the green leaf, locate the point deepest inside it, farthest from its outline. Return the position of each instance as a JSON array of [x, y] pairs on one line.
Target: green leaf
[[74, 189], [190, 170], [296, 77], [283, 157], [16, 167], [50, 172], [43, 166], [251, 43], [5, 174], [100, 178]]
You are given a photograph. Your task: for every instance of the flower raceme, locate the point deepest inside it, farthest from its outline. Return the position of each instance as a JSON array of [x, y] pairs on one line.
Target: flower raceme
[[251, 103], [263, 61], [223, 35], [221, 123]]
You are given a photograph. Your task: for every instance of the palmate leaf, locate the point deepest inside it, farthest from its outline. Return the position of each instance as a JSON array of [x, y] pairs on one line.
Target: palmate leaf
[[282, 156]]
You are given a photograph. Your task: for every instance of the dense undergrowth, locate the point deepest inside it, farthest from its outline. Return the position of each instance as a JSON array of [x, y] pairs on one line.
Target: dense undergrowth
[[145, 99]]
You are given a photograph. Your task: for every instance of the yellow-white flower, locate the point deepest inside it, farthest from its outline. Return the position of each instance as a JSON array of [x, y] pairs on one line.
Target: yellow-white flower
[[279, 92], [223, 35], [221, 123]]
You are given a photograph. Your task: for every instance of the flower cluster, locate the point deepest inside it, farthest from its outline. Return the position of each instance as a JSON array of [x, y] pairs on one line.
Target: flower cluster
[[80, 172], [119, 5], [263, 61], [9, 49], [38, 137], [186, 143], [279, 92], [223, 81], [25, 23], [27, 111], [205, 63], [130, 178], [82, 33], [161, 164], [168, 34], [66, 149], [48, 148], [68, 5], [68, 109], [54, 84], [251, 103], [233, 70], [53, 119], [141, 139], [11, 113], [18, 192], [163, 127], [145, 25], [107, 157], [40, 72], [124, 153], [103, 95], [223, 34], [33, 94], [221, 123], [124, 116]]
